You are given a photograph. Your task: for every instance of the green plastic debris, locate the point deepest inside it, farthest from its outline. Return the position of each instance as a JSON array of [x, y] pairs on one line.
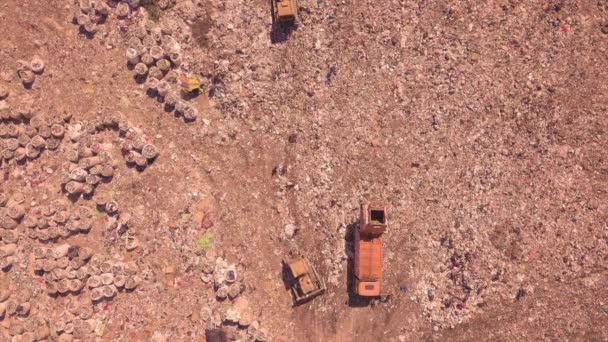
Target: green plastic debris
[[99, 329], [205, 241]]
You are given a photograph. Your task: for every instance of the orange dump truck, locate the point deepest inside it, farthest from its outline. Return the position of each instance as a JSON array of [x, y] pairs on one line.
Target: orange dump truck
[[368, 250]]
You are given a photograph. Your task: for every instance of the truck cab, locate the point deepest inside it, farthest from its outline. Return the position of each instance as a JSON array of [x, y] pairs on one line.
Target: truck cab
[[368, 250]]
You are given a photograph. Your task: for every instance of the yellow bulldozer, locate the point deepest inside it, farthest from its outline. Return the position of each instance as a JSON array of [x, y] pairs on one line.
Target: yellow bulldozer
[[285, 11], [306, 283]]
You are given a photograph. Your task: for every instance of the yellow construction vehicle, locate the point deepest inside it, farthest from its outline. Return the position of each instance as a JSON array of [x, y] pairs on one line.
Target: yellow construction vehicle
[[306, 282], [190, 84], [285, 11]]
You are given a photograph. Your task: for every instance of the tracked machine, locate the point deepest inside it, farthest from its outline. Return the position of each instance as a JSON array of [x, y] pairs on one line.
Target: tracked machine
[[285, 11], [306, 283]]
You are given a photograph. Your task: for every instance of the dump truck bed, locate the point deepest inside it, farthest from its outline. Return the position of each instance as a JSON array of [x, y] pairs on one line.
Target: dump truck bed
[[368, 263]]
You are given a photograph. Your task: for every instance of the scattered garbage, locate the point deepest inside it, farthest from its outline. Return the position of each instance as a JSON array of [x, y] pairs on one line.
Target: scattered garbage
[[290, 230], [205, 241]]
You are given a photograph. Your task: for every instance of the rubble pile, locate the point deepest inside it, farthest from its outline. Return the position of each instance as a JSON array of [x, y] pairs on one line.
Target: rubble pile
[[119, 227], [236, 312], [90, 160], [63, 268], [25, 135], [73, 270], [137, 151], [152, 52], [57, 220], [28, 71], [239, 317], [77, 321], [9, 307], [155, 57], [225, 280], [7, 251], [107, 279], [92, 15], [12, 211], [13, 308], [457, 287], [29, 330], [89, 164], [256, 333], [88, 280]]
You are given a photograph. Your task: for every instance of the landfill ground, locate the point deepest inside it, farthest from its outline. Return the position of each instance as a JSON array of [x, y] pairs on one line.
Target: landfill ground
[[482, 125]]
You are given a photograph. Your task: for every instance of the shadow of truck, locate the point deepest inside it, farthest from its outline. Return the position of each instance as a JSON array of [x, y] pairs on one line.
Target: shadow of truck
[[354, 300]]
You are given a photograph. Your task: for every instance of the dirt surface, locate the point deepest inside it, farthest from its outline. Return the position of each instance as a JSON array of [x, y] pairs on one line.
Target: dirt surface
[[481, 125]]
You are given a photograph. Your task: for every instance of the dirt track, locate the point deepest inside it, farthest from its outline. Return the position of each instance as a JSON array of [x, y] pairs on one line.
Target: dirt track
[[482, 126]]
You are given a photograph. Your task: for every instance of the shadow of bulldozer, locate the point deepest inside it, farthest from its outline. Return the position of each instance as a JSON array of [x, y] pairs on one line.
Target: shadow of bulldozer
[[281, 31], [215, 335]]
